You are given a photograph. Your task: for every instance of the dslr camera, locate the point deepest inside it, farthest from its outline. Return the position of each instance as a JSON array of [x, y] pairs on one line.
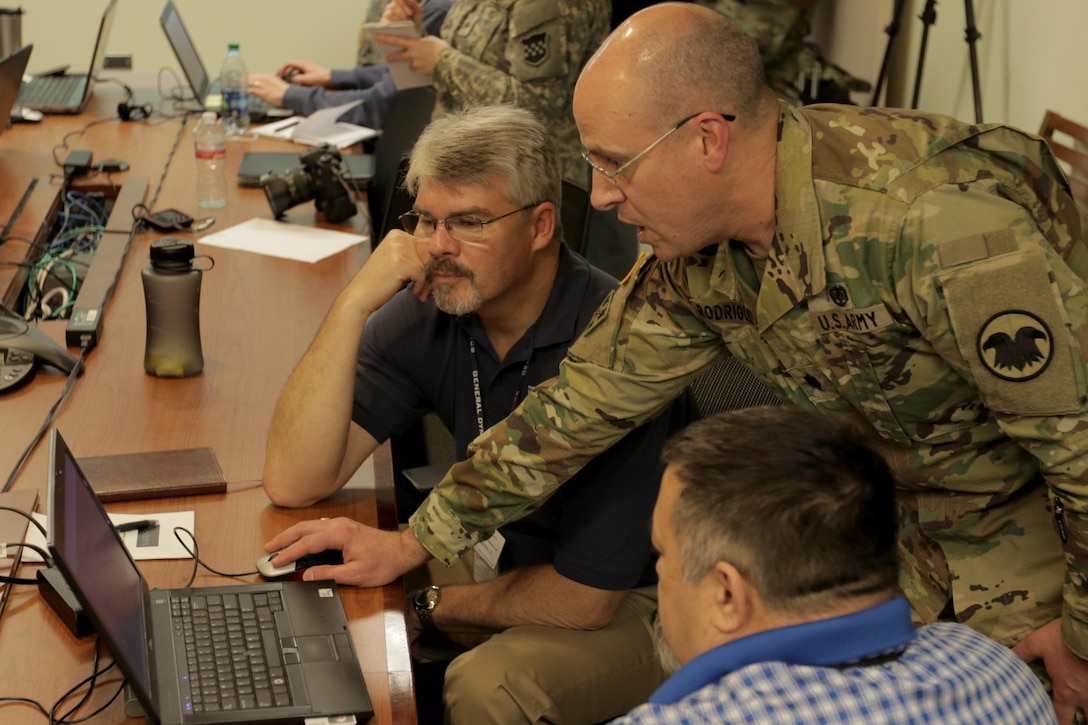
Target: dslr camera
[[321, 178]]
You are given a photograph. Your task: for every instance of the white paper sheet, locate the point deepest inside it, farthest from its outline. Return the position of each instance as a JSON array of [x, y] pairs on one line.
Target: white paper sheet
[[280, 239], [167, 546]]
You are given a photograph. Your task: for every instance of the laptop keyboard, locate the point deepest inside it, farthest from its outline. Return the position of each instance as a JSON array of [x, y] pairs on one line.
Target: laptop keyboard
[[231, 650], [49, 91]]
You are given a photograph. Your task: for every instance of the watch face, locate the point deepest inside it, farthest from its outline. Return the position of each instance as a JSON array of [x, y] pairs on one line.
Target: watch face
[[427, 598]]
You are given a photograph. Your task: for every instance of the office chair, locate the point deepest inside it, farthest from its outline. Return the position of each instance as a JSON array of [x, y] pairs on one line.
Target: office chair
[[423, 454], [574, 214], [410, 114], [730, 385], [420, 456], [1075, 154]]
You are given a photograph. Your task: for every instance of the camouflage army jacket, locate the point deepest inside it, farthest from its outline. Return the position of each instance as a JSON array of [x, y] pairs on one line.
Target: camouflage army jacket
[[525, 52], [921, 280]]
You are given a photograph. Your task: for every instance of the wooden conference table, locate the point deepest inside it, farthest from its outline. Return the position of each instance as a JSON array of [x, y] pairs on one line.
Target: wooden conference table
[[258, 315]]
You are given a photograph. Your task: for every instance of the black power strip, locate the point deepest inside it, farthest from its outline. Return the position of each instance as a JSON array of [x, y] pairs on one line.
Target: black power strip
[[78, 163]]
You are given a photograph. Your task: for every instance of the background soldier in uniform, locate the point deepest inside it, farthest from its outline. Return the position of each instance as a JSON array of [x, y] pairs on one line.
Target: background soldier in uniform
[[887, 256], [525, 52]]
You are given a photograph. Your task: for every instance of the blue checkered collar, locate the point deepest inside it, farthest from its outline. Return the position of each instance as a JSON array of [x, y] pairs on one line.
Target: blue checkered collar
[[863, 635]]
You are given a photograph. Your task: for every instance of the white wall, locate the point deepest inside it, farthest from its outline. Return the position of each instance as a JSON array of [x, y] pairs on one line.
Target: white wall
[[269, 31], [1032, 53]]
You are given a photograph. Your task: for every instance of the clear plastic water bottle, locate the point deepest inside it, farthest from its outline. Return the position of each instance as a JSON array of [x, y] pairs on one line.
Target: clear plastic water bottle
[[211, 162], [233, 82]]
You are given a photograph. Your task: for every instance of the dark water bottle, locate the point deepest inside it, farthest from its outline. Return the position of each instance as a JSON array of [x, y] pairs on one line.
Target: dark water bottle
[[172, 297]]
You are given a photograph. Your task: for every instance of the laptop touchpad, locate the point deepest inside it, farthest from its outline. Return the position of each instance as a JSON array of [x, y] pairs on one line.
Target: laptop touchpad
[[313, 649]]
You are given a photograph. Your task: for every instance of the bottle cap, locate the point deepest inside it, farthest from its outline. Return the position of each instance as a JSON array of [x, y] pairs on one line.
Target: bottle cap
[[209, 117], [232, 46], [171, 253]]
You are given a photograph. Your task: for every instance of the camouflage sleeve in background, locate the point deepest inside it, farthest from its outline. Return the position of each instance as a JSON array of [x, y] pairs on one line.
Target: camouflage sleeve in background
[[525, 52], [779, 28], [367, 53], [619, 365]]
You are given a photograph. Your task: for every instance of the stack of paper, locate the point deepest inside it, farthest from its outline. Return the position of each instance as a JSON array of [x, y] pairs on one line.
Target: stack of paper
[[319, 127]]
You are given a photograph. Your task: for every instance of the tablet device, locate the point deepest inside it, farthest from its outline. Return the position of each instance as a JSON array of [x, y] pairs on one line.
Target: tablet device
[[360, 167]]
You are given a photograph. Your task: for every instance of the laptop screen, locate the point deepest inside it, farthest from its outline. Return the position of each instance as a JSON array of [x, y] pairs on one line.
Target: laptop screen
[[184, 49], [98, 59], [93, 557], [11, 77]]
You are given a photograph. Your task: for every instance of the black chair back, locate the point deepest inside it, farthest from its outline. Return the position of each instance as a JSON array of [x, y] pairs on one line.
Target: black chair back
[[574, 214], [410, 114]]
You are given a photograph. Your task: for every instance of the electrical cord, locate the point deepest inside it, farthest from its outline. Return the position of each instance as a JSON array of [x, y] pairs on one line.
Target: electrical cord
[[139, 211], [21, 545], [46, 558], [31, 519], [49, 416], [197, 563], [91, 680]]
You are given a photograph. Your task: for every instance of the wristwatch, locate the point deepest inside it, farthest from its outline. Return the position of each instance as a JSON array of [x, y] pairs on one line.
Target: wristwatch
[[424, 601]]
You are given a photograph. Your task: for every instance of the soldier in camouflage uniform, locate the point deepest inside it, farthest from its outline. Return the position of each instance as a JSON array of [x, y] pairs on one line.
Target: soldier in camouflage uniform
[[524, 52], [922, 275]]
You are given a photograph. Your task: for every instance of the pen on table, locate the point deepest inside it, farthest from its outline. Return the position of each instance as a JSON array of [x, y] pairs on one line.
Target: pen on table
[[137, 525]]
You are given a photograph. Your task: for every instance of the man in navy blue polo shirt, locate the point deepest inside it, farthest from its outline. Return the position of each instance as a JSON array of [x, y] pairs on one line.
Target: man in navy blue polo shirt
[[463, 313]]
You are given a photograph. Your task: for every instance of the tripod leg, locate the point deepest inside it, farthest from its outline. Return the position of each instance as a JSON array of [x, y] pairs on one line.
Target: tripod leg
[[928, 17], [972, 36], [892, 30]]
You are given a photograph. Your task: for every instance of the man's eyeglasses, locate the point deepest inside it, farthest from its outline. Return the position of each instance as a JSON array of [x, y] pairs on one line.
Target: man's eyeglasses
[[462, 228], [612, 174]]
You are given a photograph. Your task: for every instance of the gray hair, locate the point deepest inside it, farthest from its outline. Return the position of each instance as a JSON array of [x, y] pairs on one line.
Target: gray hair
[[474, 145]]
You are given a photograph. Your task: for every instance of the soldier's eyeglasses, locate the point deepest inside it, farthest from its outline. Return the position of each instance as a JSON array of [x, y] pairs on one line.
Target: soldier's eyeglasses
[[617, 168], [463, 228]]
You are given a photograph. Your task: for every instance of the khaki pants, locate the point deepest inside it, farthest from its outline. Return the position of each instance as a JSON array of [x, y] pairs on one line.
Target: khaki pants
[[536, 674]]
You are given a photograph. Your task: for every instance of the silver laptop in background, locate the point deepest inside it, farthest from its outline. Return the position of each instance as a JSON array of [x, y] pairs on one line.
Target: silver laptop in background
[[287, 655], [69, 93], [11, 77], [204, 88]]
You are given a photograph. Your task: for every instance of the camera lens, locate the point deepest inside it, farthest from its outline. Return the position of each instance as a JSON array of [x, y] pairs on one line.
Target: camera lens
[[287, 190]]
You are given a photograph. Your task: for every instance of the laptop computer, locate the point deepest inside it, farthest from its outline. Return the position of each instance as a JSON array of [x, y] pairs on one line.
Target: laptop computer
[[306, 669], [204, 88], [11, 76], [69, 93]]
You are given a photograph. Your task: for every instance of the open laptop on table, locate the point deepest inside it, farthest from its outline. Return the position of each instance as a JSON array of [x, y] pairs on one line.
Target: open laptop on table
[[11, 76], [308, 661], [204, 88], [69, 93]]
